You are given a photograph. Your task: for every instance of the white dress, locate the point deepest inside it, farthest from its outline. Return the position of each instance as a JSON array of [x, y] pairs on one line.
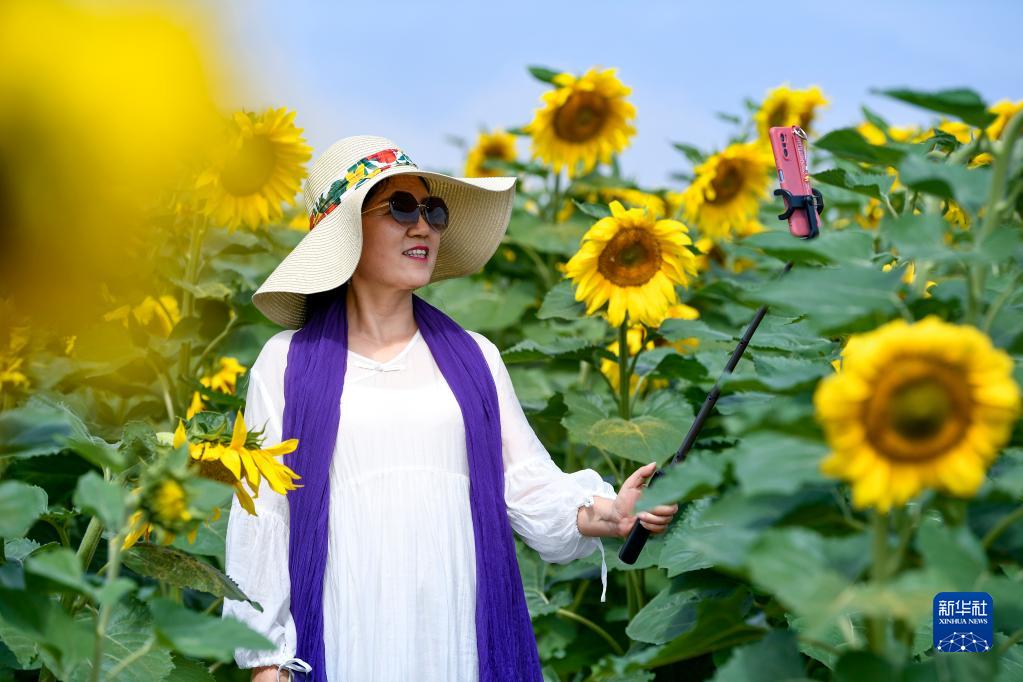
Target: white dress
[[400, 579]]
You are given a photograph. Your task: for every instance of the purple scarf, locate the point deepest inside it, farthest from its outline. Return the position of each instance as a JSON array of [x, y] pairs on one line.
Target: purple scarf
[[313, 383]]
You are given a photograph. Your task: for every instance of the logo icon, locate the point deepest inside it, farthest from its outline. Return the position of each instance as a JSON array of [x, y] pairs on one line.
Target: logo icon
[[963, 622]]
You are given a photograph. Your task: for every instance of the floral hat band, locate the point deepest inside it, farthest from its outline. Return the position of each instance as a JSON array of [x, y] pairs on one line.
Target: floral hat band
[[358, 173]]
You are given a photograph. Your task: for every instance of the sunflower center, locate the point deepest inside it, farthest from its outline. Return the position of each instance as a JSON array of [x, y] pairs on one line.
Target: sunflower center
[[779, 115], [247, 171], [581, 117], [920, 410], [631, 258], [215, 471], [727, 182]]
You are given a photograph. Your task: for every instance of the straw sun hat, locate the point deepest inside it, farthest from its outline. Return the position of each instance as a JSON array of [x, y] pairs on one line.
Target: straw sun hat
[[339, 180]]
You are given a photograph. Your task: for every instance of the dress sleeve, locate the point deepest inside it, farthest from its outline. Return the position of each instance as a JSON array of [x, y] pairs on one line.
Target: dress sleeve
[[256, 549], [542, 500]]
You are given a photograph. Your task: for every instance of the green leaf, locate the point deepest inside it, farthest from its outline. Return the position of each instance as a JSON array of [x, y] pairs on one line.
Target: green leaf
[[873, 117], [952, 551], [644, 438], [560, 303], [101, 498], [563, 347], [967, 186], [562, 238], [188, 670], [839, 299], [595, 211], [479, 304], [962, 103], [129, 629], [1006, 475], [700, 473], [775, 658], [182, 570], [856, 666], [543, 74], [849, 143], [876, 185], [766, 462], [694, 155], [202, 636], [62, 643], [60, 565], [779, 373], [20, 505], [533, 570], [917, 236], [720, 533], [719, 623]]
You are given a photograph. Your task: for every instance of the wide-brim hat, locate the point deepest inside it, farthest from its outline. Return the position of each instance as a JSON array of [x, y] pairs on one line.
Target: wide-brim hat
[[325, 258]]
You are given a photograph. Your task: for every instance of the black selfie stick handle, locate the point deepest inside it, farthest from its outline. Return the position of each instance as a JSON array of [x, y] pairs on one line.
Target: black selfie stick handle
[[637, 538]]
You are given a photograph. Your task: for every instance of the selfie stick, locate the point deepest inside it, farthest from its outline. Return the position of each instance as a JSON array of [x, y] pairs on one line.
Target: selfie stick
[[813, 204]]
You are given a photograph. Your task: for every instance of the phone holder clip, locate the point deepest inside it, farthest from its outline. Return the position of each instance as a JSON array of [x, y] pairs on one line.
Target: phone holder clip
[[813, 204]]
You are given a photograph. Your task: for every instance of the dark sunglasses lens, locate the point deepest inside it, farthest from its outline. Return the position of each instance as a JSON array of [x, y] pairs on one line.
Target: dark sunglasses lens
[[437, 213], [404, 208]]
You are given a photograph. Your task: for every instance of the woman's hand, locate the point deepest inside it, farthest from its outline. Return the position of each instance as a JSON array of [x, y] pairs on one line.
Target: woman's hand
[[269, 674], [655, 520]]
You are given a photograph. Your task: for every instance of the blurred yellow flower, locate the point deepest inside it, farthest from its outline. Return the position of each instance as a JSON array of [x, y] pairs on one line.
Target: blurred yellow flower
[[727, 189], [915, 406], [12, 376], [259, 167], [631, 261], [1004, 109], [225, 379], [584, 121], [157, 315], [497, 145], [909, 276], [787, 107]]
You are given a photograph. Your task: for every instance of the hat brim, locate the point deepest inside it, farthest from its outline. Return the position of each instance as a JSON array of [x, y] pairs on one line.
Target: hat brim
[[326, 257]]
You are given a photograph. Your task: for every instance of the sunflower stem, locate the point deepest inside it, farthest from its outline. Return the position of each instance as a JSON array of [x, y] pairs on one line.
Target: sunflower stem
[[1000, 527], [114, 552], [876, 625], [571, 615], [623, 368], [553, 208], [994, 207], [196, 238]]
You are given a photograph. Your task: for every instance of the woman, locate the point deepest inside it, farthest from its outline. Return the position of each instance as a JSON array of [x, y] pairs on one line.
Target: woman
[[395, 560]]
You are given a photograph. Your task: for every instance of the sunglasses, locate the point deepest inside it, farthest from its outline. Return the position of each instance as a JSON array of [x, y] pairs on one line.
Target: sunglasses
[[406, 209]]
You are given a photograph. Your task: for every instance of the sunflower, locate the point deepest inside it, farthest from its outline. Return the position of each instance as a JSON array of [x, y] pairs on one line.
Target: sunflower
[[157, 315], [1004, 110], [497, 145], [234, 462], [12, 376], [727, 189], [787, 107], [224, 380], [632, 260], [584, 120], [914, 406], [258, 167]]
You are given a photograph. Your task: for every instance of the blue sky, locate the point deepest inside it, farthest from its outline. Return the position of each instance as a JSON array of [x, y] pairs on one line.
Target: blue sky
[[419, 72]]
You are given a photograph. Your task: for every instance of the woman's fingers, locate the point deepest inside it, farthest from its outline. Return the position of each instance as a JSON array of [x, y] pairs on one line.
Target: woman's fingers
[[639, 476]]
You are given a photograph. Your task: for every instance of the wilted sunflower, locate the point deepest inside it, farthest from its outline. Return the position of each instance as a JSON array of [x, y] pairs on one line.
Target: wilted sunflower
[[584, 120], [236, 461], [727, 189], [787, 107], [497, 145], [634, 261], [914, 406], [225, 379], [260, 166]]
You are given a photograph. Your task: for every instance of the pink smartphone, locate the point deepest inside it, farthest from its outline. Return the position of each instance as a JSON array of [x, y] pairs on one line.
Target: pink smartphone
[[787, 143]]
